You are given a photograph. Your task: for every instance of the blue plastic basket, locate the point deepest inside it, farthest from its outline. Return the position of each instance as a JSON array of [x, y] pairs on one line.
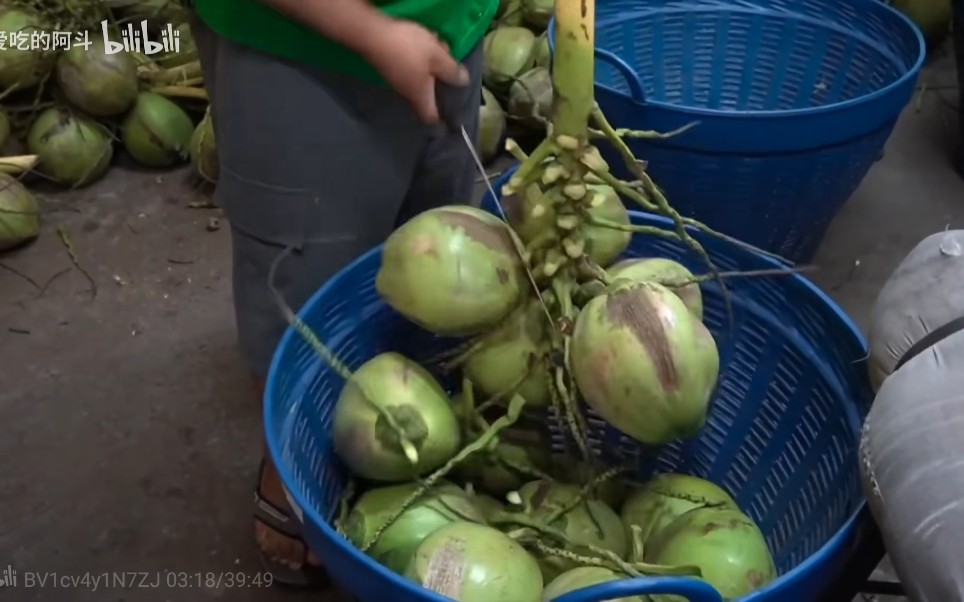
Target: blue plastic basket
[[795, 100], [781, 437]]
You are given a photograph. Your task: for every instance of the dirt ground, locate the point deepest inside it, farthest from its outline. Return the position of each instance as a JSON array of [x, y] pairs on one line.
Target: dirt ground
[[129, 437]]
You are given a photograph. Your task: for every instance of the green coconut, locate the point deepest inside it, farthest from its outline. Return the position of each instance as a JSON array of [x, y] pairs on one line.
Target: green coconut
[[491, 127], [590, 523], [468, 562], [392, 388], [583, 577], [157, 132], [538, 13], [100, 84], [530, 96], [72, 150], [507, 54], [512, 357], [511, 12], [443, 505], [543, 52], [532, 214], [453, 270], [4, 127], [21, 65], [204, 150], [933, 17], [724, 543], [644, 362], [19, 213], [510, 464], [665, 497], [666, 272]]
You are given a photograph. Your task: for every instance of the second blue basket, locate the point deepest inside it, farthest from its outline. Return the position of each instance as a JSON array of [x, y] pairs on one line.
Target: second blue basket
[[795, 100]]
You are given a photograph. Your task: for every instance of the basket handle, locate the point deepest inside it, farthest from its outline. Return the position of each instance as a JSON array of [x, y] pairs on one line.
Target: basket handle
[[693, 590], [632, 80]]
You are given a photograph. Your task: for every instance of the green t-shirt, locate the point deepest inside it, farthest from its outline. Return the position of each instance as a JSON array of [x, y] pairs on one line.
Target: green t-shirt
[[460, 23]]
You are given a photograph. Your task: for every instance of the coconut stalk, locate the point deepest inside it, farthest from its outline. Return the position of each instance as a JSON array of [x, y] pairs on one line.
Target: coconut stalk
[[18, 164], [573, 72], [186, 92], [153, 74], [562, 165]]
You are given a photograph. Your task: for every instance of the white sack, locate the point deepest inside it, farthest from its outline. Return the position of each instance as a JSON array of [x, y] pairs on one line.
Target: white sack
[[925, 292], [912, 458]]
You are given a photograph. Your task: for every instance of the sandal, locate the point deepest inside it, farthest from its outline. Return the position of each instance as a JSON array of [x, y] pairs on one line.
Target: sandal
[[273, 517]]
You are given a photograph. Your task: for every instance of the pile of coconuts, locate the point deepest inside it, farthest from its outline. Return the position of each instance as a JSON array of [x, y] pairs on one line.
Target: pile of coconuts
[[19, 210], [64, 112], [517, 87], [475, 472]]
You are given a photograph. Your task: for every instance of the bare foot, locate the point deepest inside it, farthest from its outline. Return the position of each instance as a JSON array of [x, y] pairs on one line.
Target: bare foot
[[278, 546]]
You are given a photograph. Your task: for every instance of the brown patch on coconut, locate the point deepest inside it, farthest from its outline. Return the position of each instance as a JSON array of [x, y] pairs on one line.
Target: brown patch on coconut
[[424, 245], [599, 367], [495, 238], [634, 309], [755, 578]]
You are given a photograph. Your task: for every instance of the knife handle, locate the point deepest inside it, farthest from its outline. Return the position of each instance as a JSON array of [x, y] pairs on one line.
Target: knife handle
[[450, 100]]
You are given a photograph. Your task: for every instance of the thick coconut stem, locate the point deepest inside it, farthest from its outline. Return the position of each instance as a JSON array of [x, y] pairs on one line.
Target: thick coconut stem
[[573, 68]]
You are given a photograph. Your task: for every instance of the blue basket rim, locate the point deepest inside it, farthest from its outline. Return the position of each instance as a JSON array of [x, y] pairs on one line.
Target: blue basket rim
[[908, 75], [311, 515]]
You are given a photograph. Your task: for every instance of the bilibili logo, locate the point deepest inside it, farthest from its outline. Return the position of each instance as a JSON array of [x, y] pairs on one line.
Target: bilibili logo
[[8, 577], [138, 39]]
